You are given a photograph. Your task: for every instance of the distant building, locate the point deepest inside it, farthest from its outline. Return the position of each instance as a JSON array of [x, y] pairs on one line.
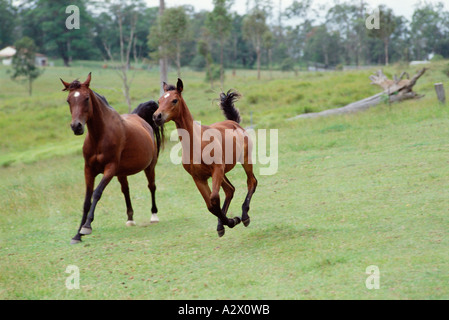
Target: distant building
[[7, 53], [41, 60]]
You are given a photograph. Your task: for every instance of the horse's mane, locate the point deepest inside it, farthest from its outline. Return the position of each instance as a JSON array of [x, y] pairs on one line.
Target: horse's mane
[[103, 99], [145, 111]]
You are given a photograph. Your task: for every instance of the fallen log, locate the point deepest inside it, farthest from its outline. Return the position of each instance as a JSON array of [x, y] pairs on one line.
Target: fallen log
[[396, 90]]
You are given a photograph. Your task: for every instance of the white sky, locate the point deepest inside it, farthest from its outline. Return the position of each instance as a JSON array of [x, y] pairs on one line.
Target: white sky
[[400, 7]]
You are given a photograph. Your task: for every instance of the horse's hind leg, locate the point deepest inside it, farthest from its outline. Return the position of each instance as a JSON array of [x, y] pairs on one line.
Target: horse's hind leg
[[129, 209], [252, 184], [229, 190], [151, 177]]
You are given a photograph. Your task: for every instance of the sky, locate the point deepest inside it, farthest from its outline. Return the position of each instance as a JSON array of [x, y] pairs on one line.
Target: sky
[[400, 7]]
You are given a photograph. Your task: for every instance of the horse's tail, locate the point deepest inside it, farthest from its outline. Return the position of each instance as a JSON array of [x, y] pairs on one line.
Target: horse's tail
[[227, 105], [145, 111]]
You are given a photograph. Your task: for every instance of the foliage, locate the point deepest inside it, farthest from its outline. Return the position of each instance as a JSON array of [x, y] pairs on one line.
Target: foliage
[[213, 73], [254, 27], [24, 62], [219, 24], [303, 31], [8, 16]]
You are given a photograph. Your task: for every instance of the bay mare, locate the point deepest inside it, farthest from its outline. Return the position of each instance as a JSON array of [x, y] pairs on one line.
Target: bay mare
[[115, 146]]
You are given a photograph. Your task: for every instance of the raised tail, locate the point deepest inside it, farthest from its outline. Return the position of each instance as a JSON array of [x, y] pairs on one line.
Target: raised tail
[[227, 105], [145, 111]]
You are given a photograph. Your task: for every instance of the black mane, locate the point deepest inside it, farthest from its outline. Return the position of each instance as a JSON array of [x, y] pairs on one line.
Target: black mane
[[102, 98]]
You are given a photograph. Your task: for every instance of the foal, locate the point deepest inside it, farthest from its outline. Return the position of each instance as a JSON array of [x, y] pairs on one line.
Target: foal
[[115, 145], [230, 144]]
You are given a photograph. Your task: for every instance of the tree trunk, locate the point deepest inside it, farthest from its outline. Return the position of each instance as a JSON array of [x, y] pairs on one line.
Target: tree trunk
[[30, 86], [386, 43], [258, 62], [394, 90], [163, 60], [269, 63], [235, 57], [221, 63], [69, 50], [178, 59]]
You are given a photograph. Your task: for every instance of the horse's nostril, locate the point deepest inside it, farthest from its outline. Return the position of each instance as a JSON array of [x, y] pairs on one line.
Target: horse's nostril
[[77, 128], [157, 117]]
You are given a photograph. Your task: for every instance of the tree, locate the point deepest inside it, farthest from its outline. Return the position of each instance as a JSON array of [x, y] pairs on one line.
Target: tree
[[125, 15], [219, 23], [163, 63], [387, 22], [168, 35], [429, 29], [268, 43], [204, 51], [254, 27], [296, 35], [45, 22], [173, 33], [24, 62], [345, 18], [322, 46]]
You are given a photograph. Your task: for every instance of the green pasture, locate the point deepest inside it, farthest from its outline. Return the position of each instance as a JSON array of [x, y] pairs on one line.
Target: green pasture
[[350, 192]]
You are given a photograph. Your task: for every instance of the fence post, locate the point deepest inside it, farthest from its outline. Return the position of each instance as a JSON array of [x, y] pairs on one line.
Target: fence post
[[440, 92]]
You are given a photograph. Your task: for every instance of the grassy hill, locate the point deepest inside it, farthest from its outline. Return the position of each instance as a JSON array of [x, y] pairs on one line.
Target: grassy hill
[[350, 192]]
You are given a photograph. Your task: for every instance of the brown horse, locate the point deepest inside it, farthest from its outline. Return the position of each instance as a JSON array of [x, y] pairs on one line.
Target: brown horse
[[230, 144], [115, 145]]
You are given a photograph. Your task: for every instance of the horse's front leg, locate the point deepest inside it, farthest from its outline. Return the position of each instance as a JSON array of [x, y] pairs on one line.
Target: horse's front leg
[[109, 173], [89, 179]]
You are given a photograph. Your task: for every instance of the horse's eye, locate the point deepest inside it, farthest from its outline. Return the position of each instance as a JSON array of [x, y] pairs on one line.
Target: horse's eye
[[175, 101], [87, 99]]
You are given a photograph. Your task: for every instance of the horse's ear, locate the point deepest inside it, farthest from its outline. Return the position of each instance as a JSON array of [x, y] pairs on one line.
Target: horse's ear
[[66, 85], [165, 86], [87, 82], [179, 86]]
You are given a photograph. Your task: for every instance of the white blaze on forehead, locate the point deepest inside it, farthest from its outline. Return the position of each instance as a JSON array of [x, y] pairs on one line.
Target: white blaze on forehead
[[77, 94], [166, 95]]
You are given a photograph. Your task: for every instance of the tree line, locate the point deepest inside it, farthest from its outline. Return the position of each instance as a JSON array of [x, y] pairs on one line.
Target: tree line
[[267, 36]]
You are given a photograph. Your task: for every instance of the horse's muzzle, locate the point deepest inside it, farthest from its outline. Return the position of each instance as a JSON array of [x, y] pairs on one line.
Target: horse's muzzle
[[78, 128], [158, 119]]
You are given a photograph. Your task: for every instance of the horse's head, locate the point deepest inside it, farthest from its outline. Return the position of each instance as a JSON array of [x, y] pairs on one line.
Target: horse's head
[[79, 102], [169, 103]]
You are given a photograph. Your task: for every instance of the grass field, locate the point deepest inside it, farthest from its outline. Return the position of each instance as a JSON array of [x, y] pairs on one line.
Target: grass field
[[350, 192]]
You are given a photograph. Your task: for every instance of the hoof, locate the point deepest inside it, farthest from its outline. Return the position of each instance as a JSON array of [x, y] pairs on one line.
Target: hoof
[[130, 223], [233, 222], [85, 231], [154, 218], [74, 241], [221, 232], [246, 222]]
